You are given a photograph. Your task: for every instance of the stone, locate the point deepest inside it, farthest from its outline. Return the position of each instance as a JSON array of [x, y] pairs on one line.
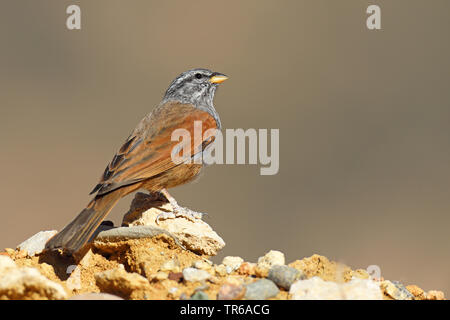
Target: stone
[[177, 276], [395, 290], [360, 274], [417, 292], [320, 266], [136, 232], [233, 262], [36, 244], [11, 252], [261, 290], [247, 269], [284, 276], [123, 284], [318, 289], [203, 265], [221, 270], [435, 295], [197, 236], [26, 283], [193, 275], [95, 296], [6, 264], [199, 295], [160, 276], [236, 280], [230, 291], [270, 259], [172, 265], [261, 271]]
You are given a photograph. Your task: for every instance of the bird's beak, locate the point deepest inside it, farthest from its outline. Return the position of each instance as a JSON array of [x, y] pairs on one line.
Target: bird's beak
[[218, 78]]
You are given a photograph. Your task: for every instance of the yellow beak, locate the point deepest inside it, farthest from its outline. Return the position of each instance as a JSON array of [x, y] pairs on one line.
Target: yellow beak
[[218, 78]]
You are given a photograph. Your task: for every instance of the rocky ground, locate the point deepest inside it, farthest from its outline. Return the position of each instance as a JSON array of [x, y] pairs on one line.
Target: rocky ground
[[143, 260]]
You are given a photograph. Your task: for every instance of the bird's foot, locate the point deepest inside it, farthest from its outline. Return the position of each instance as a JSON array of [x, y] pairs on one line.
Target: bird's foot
[[179, 211]]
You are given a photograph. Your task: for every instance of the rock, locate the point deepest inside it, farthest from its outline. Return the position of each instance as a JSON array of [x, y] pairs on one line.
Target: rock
[[104, 226], [233, 262], [171, 265], [203, 265], [270, 259], [125, 233], [314, 289], [36, 244], [320, 266], [395, 290], [173, 292], [196, 236], [6, 264], [200, 295], [221, 270], [261, 290], [123, 284], [284, 276], [193, 275], [417, 292], [160, 276], [435, 295], [360, 274], [178, 276], [261, 272], [230, 291], [235, 280], [318, 289], [247, 269], [360, 289], [26, 283], [95, 296]]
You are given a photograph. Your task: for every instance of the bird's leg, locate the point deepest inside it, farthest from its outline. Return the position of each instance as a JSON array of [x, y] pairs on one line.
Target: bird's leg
[[177, 210]]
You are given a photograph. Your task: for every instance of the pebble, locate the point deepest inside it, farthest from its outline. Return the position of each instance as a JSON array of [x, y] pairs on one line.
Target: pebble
[[173, 290], [284, 276], [160, 276], [435, 295], [261, 272], [171, 265], [247, 269], [95, 296], [261, 290], [202, 265], [176, 276], [36, 244], [232, 262], [199, 295], [221, 270], [137, 232], [395, 290], [317, 289], [230, 291], [270, 259], [417, 292], [23, 283], [193, 275]]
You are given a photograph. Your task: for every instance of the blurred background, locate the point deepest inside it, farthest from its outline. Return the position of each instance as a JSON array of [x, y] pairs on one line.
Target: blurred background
[[363, 116]]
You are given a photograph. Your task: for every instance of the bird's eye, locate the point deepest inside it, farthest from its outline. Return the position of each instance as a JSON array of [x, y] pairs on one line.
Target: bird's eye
[[198, 75]]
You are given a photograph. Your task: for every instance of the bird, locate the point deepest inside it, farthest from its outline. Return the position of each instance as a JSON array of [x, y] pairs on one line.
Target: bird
[[145, 160]]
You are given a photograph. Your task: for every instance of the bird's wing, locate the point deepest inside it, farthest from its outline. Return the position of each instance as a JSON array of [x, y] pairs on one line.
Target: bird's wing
[[148, 151]]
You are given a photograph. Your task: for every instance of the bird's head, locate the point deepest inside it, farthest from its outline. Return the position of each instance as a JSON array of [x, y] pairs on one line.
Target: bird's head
[[196, 86]]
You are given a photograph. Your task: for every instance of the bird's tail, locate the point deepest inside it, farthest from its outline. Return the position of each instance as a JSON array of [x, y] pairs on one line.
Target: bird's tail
[[77, 233]]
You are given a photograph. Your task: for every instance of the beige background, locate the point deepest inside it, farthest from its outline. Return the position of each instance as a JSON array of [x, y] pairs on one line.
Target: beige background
[[363, 116]]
